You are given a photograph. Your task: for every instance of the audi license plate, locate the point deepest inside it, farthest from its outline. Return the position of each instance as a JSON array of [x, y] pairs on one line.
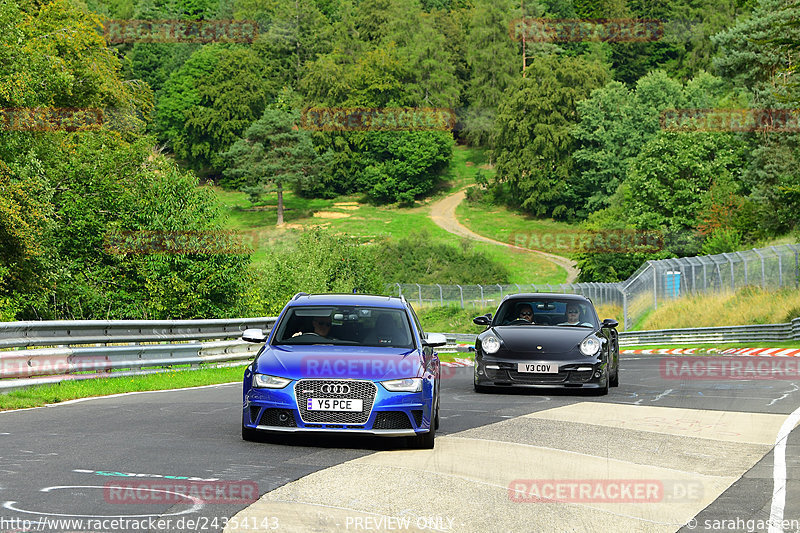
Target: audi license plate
[[335, 404], [538, 368]]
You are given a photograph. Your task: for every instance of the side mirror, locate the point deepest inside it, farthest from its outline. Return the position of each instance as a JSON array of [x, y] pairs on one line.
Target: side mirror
[[482, 320], [610, 323], [434, 340], [253, 335]]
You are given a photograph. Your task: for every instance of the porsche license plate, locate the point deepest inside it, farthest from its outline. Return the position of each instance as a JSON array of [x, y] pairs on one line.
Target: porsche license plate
[[538, 368], [335, 404]]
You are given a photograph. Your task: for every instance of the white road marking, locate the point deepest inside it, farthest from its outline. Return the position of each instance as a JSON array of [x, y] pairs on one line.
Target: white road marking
[[785, 395], [196, 506], [661, 395], [779, 473]]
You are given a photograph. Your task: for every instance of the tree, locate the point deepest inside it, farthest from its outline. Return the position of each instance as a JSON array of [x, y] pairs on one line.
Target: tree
[[616, 122], [670, 177], [210, 101], [495, 64], [273, 152], [532, 137]]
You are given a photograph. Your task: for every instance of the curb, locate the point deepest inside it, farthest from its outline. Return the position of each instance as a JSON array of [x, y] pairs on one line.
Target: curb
[[768, 352]]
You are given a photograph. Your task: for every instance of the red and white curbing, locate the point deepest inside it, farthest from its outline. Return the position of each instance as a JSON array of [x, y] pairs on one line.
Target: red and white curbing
[[768, 352], [458, 362]]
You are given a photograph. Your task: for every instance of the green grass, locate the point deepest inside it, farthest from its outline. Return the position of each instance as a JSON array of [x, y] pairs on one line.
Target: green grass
[[71, 390], [505, 225], [748, 305], [450, 319], [89, 388], [372, 223], [704, 348], [465, 165]]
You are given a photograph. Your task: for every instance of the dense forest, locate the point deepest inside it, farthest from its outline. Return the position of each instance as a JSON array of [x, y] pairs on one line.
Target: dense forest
[[574, 129]]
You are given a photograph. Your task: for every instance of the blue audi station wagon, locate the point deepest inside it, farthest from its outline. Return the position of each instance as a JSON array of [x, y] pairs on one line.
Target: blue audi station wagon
[[344, 363]]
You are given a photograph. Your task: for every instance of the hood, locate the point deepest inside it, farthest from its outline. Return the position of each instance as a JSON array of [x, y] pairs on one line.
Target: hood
[[339, 362], [553, 339]]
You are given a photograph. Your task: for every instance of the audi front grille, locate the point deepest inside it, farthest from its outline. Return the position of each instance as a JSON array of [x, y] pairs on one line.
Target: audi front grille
[[313, 388]]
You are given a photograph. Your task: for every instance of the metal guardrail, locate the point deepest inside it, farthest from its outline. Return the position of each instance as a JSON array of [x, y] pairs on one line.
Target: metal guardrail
[[86, 349], [789, 331], [69, 356]]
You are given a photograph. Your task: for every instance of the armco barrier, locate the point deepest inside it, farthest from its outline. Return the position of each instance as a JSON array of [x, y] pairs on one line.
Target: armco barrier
[[787, 332], [72, 350], [84, 349]]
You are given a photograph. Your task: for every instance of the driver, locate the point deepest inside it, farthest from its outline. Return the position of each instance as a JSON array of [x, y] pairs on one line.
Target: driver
[[525, 312], [322, 325]]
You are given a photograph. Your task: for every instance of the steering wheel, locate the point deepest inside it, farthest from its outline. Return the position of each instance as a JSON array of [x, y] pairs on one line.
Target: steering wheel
[[519, 321]]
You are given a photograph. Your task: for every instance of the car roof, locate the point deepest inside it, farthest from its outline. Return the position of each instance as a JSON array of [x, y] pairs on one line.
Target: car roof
[[547, 296], [347, 299]]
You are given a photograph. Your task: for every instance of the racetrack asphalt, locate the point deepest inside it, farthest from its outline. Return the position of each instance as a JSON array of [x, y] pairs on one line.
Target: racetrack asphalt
[[707, 445]]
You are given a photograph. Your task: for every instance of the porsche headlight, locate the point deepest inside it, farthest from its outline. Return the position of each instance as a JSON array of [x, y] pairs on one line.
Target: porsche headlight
[[490, 344], [590, 346], [264, 381], [403, 385]]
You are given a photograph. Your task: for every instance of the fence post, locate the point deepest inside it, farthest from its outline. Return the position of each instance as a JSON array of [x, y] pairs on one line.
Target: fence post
[[399, 290], [501, 290], [482, 302], [518, 289], [461, 293], [441, 299], [780, 266], [733, 282], [763, 275], [419, 289], [744, 260], [624, 310], [655, 287]]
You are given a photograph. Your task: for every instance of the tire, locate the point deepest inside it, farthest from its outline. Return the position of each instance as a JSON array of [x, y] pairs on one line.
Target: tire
[[426, 440], [614, 380], [602, 391]]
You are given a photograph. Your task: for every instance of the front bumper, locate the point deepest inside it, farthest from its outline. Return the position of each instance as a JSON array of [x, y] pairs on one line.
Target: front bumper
[[386, 414], [584, 373]]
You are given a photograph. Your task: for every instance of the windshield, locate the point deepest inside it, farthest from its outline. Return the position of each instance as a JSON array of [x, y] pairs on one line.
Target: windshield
[[353, 325], [550, 312]]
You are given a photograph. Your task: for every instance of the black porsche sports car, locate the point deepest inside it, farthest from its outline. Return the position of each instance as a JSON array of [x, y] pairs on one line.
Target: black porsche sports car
[[546, 340]]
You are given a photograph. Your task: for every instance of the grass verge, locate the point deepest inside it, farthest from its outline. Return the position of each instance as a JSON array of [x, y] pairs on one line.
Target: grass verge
[[710, 349], [72, 390]]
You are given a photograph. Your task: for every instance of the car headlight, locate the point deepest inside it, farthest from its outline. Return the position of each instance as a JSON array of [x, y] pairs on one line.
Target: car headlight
[[264, 381], [590, 346], [403, 385], [490, 344]]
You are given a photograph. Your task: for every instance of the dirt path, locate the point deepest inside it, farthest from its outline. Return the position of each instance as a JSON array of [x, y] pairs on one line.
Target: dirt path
[[443, 214]]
